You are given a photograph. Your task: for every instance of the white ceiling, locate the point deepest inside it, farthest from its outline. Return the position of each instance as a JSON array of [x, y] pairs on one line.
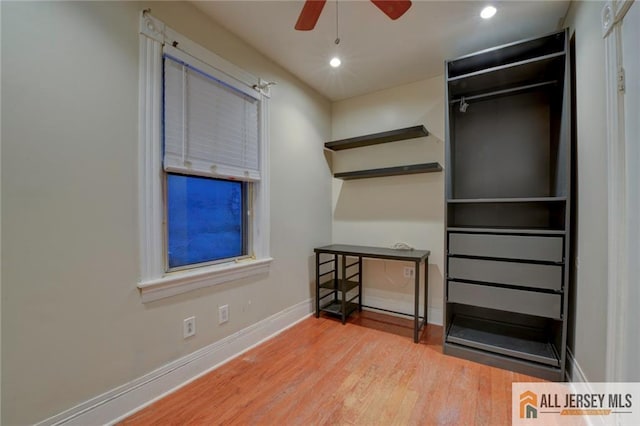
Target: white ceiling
[[376, 52]]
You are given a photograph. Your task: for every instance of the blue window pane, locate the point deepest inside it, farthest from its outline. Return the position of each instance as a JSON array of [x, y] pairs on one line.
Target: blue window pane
[[204, 219]]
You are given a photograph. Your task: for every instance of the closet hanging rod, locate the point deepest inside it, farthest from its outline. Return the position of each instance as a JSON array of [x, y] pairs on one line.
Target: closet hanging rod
[[502, 92]]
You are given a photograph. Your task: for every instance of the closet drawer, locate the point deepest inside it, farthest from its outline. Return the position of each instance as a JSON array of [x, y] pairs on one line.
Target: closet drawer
[[514, 273], [506, 299], [525, 247]]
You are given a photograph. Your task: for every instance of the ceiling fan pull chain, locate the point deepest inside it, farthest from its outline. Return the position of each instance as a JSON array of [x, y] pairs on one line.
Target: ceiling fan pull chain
[[337, 32]]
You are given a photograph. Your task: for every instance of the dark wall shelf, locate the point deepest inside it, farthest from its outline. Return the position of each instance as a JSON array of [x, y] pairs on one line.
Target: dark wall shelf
[[377, 138], [390, 171]]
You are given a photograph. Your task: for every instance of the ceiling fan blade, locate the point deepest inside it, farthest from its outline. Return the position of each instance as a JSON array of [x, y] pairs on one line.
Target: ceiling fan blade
[[309, 15], [393, 8]]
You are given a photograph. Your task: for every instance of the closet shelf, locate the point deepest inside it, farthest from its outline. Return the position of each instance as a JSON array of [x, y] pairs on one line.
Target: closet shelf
[[506, 230], [507, 200], [519, 74], [390, 171], [503, 338], [510, 91], [507, 54], [378, 138]]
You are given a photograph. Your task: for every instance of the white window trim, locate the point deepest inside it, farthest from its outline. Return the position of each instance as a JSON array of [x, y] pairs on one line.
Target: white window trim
[[154, 283]]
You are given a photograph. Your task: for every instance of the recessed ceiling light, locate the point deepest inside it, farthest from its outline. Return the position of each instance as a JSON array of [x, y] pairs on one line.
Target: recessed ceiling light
[[488, 12], [335, 62]]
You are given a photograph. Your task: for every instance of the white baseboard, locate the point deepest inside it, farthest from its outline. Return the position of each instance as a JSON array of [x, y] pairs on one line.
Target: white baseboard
[[399, 302], [123, 401], [574, 372], [116, 404]]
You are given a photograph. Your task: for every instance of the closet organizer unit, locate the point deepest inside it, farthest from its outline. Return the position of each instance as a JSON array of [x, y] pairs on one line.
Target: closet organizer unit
[[508, 206]]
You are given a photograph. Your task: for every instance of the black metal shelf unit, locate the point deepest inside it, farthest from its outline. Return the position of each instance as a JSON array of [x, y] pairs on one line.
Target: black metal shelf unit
[[339, 284], [507, 198], [379, 138]]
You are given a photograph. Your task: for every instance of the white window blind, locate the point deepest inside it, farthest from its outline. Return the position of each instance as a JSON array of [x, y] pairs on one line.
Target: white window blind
[[210, 126]]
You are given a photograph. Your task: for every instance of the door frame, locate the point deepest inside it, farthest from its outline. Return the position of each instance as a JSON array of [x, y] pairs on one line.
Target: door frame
[[618, 214]]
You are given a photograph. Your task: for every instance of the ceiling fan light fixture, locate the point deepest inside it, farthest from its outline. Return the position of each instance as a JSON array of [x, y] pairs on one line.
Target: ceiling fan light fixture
[[335, 62], [488, 12], [312, 9]]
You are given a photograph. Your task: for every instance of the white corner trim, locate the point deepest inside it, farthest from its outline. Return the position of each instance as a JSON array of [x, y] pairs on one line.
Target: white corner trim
[[175, 283], [574, 372], [118, 403]]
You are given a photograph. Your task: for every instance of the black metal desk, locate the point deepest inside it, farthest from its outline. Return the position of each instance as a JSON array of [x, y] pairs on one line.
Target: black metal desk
[[344, 284]]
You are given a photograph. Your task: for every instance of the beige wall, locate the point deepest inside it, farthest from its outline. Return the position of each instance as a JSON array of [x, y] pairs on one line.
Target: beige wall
[[73, 324], [589, 339], [384, 211]]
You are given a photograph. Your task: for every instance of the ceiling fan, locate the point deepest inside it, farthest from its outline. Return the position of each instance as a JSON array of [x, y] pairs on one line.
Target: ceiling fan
[[312, 9]]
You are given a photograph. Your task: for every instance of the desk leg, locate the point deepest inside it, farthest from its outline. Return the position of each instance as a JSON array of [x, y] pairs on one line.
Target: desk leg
[[317, 285], [360, 284], [416, 305], [426, 291], [336, 278], [343, 286]]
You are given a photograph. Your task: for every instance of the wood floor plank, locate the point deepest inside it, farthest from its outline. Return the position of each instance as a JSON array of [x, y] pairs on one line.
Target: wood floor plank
[[321, 372]]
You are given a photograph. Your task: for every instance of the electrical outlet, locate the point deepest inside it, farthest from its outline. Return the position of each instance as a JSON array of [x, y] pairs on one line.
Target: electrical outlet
[[223, 314], [409, 272], [189, 327]]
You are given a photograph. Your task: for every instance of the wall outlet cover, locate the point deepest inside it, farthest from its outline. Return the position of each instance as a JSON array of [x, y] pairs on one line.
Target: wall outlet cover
[[409, 272], [223, 314], [189, 327]]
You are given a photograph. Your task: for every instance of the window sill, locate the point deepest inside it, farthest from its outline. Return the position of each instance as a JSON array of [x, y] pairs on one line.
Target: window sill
[[174, 283]]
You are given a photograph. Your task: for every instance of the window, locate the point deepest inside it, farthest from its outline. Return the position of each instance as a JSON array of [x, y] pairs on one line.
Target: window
[[206, 220], [211, 139], [204, 201]]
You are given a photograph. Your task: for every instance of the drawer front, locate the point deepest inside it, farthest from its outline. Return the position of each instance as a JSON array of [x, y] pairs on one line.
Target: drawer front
[[506, 299], [513, 273], [524, 247]]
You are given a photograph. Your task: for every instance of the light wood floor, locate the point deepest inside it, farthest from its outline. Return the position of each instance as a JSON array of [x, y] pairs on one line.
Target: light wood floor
[[367, 372]]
